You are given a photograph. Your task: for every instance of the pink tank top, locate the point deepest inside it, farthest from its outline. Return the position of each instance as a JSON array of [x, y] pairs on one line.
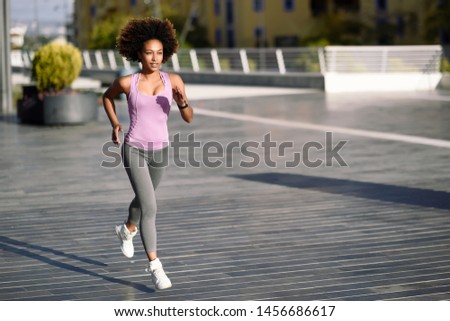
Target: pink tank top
[[148, 115]]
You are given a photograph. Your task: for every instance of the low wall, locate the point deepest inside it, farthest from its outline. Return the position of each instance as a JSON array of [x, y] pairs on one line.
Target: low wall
[[445, 82], [365, 82], [297, 80]]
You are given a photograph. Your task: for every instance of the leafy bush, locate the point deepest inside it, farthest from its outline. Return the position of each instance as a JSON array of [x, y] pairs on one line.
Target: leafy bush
[[445, 65], [306, 62], [56, 66]]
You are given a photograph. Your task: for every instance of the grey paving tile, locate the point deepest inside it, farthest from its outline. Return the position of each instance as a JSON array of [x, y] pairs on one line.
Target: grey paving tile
[[375, 230]]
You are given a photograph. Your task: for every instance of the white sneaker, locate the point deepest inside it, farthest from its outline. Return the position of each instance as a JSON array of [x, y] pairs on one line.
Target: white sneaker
[[126, 240], [159, 278]]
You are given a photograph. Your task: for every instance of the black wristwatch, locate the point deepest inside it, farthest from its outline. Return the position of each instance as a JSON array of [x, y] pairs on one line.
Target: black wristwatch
[[183, 107]]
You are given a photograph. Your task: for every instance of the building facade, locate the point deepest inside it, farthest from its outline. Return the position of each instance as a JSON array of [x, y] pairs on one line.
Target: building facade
[[252, 23], [270, 23], [89, 12]]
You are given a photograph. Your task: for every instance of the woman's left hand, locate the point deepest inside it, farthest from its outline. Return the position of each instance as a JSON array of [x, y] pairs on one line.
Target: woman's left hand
[[178, 97]]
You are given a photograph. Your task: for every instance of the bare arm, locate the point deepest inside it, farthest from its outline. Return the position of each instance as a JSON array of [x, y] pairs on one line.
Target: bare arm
[[179, 95], [119, 86]]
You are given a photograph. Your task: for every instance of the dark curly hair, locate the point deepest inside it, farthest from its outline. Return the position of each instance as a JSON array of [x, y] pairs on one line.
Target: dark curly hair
[[138, 30]]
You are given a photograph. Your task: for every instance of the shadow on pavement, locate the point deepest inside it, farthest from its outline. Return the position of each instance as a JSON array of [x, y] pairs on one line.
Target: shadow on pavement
[[374, 191], [24, 249]]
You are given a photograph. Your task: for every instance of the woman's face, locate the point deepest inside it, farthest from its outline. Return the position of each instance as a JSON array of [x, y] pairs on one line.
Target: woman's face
[[151, 55]]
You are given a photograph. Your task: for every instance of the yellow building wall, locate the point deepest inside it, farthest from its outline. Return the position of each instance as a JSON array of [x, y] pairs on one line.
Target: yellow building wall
[[282, 23], [277, 22], [274, 18], [85, 22], [413, 13]]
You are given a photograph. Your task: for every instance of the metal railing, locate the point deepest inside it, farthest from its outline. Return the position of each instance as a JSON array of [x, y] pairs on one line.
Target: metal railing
[[276, 60], [331, 59], [382, 59]]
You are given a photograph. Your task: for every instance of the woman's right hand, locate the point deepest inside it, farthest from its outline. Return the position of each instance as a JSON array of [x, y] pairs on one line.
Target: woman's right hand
[[115, 133]]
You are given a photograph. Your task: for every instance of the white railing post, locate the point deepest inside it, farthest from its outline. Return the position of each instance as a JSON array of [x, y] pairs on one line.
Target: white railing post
[[99, 60], [215, 60], [87, 59], [112, 60], [126, 63], [175, 62], [280, 61], [244, 60], [322, 62], [332, 63], [26, 60], [384, 60], [194, 60]]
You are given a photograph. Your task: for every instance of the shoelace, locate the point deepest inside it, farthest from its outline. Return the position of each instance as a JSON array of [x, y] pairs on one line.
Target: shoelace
[[159, 272], [125, 235]]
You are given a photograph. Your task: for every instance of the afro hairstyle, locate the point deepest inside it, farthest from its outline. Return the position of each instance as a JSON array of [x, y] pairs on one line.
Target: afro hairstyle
[[138, 30]]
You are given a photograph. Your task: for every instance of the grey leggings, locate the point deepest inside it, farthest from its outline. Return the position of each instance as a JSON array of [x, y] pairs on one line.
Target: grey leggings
[[145, 170]]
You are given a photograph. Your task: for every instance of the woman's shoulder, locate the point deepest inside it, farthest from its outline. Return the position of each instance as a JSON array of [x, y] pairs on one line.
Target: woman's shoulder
[[123, 83], [125, 80], [175, 79]]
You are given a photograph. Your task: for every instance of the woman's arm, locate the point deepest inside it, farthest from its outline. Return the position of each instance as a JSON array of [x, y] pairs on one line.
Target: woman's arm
[[119, 86], [179, 95]]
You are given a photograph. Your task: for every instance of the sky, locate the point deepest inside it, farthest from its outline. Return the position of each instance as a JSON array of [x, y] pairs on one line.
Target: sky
[[47, 16]]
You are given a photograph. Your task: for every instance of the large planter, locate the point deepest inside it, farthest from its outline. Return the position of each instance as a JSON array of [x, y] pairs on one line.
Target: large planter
[[69, 109], [63, 109]]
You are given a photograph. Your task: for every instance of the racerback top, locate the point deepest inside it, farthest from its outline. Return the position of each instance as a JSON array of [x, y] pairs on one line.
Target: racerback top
[[148, 115]]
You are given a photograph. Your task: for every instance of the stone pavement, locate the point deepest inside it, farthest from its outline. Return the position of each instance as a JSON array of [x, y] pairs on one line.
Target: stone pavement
[[277, 209]]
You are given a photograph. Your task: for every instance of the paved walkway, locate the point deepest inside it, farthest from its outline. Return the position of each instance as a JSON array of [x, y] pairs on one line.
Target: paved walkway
[[361, 215]]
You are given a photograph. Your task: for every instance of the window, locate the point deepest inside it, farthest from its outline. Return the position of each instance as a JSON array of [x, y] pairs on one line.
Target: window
[[217, 7], [259, 33], [289, 5], [346, 5], [230, 38], [218, 35], [385, 36], [381, 5], [318, 7], [230, 14], [258, 5], [400, 26], [93, 11]]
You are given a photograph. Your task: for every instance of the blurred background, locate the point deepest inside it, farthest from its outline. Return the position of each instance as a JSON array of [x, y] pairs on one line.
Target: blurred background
[[302, 42], [94, 24]]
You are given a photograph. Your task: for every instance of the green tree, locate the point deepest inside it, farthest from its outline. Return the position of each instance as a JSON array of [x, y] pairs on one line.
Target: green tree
[[337, 29], [197, 35], [437, 23], [104, 33], [35, 42]]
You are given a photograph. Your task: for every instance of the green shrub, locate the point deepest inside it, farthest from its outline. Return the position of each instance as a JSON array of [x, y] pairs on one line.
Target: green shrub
[[306, 62], [56, 66], [445, 65]]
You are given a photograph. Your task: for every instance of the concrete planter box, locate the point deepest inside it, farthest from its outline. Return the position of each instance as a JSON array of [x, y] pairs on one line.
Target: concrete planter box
[[69, 109], [65, 109]]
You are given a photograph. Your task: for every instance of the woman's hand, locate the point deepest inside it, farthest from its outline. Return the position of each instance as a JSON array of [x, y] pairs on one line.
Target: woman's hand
[[115, 133], [178, 96]]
